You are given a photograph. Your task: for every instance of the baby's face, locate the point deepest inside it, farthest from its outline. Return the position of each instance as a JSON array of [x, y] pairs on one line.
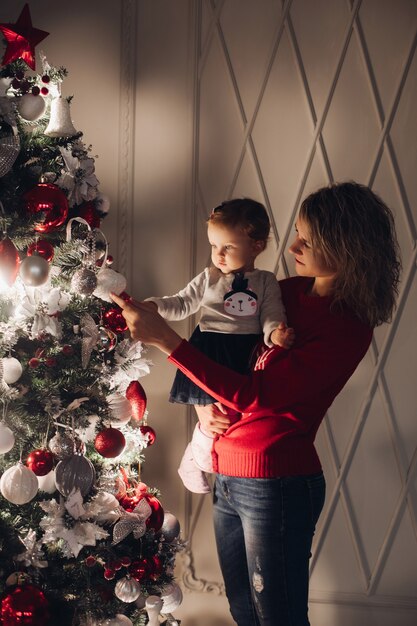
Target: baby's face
[[232, 250]]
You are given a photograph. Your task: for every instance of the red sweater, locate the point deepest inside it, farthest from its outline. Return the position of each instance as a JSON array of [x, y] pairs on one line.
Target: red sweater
[[285, 398]]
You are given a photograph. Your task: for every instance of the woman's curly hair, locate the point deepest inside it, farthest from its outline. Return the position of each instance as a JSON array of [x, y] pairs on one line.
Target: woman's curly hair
[[355, 231]]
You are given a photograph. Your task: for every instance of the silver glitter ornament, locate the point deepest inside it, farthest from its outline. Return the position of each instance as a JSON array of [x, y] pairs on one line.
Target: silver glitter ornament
[[75, 472], [127, 589], [9, 146], [84, 281], [107, 339], [64, 445], [34, 270]]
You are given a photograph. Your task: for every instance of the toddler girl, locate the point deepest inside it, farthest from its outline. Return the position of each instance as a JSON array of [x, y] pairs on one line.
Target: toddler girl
[[238, 304]]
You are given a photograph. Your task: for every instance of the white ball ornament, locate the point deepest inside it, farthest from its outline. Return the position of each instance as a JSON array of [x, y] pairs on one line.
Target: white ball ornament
[[12, 369], [31, 107], [109, 281], [120, 408], [47, 483], [127, 589], [18, 484], [34, 271], [170, 527], [171, 598], [7, 438]]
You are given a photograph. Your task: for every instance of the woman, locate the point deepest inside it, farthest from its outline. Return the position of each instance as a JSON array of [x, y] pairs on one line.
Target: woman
[[269, 488]]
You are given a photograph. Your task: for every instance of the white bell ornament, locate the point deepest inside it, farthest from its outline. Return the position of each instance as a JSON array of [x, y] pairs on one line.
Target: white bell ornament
[[153, 607], [12, 369], [60, 124], [19, 484], [7, 438]]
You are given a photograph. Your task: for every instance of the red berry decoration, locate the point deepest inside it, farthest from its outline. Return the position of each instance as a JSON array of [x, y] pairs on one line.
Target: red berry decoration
[[44, 91], [45, 78], [90, 561], [40, 461], [109, 442], [24, 605], [149, 434], [43, 248], [114, 320], [125, 561], [136, 395], [109, 574], [50, 361], [48, 199], [36, 91], [15, 83], [34, 363]]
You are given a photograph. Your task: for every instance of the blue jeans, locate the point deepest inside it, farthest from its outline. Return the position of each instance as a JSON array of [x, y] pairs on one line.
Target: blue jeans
[[264, 529]]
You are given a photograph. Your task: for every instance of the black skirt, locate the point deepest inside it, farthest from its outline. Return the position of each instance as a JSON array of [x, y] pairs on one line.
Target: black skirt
[[232, 350]]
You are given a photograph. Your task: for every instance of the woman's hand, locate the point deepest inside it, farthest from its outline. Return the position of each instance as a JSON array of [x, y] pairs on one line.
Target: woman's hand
[[146, 325], [213, 418]]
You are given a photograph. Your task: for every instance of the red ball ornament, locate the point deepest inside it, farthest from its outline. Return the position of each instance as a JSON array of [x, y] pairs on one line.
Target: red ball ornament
[[34, 363], [88, 211], [24, 605], [109, 442], [114, 320], [149, 434], [50, 200], [43, 248], [9, 261], [40, 462], [44, 91], [139, 570], [156, 519], [136, 395]]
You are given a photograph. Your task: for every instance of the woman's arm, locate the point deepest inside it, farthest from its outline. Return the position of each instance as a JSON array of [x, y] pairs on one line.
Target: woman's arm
[[312, 372], [148, 326]]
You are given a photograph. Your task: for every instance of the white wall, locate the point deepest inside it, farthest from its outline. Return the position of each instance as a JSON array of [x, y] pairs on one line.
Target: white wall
[[188, 102]]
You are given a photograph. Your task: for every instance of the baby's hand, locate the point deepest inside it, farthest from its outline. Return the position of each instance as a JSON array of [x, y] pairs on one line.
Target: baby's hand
[[283, 336]]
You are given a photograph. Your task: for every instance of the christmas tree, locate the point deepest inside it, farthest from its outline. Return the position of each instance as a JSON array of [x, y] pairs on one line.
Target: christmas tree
[[82, 540]]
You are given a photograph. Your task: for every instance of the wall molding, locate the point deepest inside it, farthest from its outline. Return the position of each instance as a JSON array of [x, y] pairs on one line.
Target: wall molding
[[126, 135]]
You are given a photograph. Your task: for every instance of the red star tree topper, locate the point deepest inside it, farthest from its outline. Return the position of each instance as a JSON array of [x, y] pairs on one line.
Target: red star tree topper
[[21, 39]]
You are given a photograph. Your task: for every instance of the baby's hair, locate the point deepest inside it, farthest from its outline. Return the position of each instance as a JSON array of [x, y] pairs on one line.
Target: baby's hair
[[245, 213]]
